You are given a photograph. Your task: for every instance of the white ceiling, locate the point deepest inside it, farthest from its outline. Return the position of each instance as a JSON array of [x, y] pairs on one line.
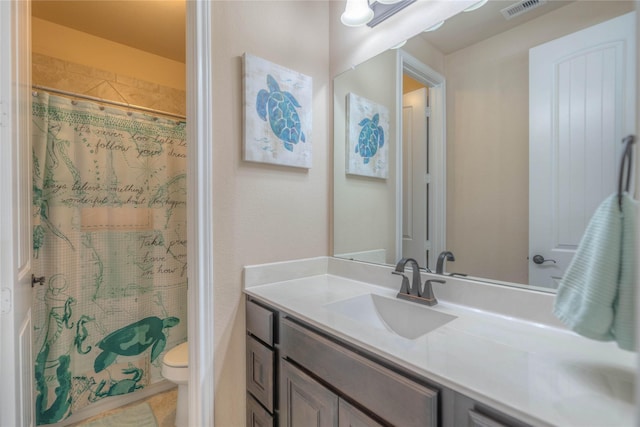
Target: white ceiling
[[468, 28], [155, 26]]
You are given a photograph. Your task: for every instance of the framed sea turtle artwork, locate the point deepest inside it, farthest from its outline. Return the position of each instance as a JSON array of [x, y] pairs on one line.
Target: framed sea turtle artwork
[[277, 114], [367, 137]]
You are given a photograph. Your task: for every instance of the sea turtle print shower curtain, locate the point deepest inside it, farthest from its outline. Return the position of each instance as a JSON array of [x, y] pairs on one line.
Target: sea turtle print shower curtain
[[109, 206]]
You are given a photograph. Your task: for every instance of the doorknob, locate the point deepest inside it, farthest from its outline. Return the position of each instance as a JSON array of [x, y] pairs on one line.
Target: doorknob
[[539, 259], [35, 280]]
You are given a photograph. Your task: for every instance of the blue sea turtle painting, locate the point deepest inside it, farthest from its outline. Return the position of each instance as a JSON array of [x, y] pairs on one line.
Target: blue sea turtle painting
[[133, 339], [280, 107], [371, 138]]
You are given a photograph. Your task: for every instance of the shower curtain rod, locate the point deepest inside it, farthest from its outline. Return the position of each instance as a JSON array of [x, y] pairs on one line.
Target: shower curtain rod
[[106, 101]]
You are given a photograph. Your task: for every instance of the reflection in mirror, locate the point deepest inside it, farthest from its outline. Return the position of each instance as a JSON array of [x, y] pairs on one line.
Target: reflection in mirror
[[506, 120], [365, 208]]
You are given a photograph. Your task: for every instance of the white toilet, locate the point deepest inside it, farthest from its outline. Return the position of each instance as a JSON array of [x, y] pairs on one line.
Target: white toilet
[[175, 368]]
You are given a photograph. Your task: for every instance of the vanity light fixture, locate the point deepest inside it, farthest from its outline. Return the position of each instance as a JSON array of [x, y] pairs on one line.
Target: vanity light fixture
[[356, 13], [385, 9], [360, 12], [434, 27], [476, 6]]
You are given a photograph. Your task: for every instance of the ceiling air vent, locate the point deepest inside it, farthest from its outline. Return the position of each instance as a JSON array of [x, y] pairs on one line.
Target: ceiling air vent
[[521, 7]]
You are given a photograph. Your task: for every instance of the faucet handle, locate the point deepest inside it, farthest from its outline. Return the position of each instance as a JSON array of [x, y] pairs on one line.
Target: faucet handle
[[404, 288], [427, 290]]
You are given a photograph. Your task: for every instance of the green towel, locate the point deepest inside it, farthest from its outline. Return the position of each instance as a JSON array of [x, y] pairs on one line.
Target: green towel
[[596, 296]]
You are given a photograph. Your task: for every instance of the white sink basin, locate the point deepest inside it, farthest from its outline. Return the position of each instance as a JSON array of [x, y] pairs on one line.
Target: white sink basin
[[407, 319]]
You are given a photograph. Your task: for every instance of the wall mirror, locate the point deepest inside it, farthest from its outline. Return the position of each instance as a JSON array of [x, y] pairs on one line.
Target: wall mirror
[[524, 158]]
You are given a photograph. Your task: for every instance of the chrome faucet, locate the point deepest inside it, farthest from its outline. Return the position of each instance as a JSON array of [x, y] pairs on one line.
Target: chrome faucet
[[415, 292], [440, 264]]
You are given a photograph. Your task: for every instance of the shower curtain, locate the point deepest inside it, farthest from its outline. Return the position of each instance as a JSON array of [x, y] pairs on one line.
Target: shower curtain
[[109, 207]]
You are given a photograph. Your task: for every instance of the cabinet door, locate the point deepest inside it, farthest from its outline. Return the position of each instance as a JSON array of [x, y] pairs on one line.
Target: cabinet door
[[257, 416], [304, 402], [350, 416], [260, 376]]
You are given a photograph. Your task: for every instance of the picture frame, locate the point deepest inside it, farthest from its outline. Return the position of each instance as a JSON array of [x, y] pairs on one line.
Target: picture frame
[[277, 114]]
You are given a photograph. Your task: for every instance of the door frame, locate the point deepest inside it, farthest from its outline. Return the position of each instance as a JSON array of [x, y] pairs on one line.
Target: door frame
[[16, 361], [200, 274], [437, 198]]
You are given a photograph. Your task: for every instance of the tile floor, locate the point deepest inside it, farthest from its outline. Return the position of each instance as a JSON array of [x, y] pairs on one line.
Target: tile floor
[[163, 406]]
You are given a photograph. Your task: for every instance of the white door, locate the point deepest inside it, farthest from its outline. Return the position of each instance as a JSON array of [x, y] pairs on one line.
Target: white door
[[414, 176], [16, 363], [581, 105]]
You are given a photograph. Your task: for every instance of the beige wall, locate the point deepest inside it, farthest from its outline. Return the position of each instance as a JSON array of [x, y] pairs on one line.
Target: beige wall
[[81, 48], [58, 68], [487, 142], [426, 53], [263, 213]]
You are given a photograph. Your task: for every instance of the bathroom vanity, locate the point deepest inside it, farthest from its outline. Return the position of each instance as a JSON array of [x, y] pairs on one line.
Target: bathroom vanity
[[327, 345]]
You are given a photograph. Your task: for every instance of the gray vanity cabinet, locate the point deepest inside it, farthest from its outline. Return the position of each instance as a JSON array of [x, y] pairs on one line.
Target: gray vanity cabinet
[[300, 376], [261, 365]]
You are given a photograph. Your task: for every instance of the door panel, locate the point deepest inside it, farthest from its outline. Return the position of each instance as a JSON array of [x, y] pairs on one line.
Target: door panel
[[581, 105], [415, 241], [16, 363]]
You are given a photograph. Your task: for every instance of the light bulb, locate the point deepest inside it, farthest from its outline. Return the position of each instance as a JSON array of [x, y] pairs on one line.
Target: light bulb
[[475, 6], [434, 27], [356, 13]]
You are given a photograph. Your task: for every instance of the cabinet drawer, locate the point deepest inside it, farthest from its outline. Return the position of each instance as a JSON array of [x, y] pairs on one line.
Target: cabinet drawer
[[260, 322], [260, 372], [257, 416], [396, 399]]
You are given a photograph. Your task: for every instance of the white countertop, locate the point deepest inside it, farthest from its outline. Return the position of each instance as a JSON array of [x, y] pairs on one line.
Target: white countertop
[[539, 374]]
